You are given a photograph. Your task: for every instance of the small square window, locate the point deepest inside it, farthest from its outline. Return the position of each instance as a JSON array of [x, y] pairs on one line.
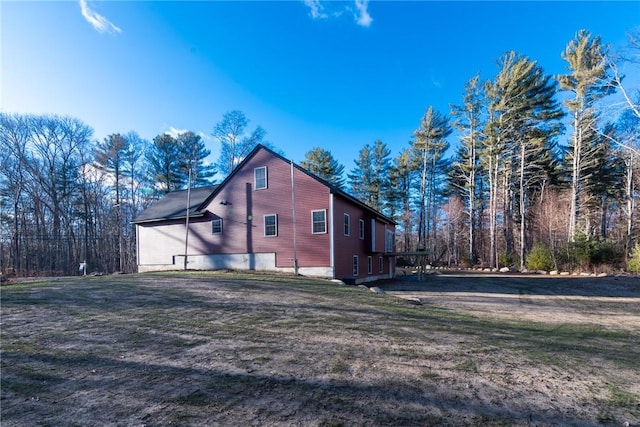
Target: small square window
[[270, 225], [347, 225], [216, 226], [356, 268], [319, 219], [361, 228], [260, 178]]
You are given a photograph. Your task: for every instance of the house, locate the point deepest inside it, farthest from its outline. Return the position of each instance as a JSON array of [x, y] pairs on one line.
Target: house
[[268, 214]]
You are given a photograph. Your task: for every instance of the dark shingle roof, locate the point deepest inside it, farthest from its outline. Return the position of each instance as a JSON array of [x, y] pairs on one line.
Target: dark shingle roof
[[173, 205]]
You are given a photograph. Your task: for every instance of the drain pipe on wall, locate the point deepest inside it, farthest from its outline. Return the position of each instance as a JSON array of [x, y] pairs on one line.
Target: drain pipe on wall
[[293, 207]]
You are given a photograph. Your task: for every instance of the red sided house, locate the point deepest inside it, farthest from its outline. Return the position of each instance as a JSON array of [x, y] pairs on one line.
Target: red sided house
[[268, 214]]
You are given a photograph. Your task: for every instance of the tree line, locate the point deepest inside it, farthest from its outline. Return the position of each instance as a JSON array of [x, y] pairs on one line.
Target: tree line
[[508, 194]]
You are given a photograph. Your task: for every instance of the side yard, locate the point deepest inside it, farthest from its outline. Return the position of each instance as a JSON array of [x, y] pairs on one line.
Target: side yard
[[247, 349]]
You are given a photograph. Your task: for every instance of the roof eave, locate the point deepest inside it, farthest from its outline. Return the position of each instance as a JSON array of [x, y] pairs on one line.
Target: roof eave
[[172, 218]]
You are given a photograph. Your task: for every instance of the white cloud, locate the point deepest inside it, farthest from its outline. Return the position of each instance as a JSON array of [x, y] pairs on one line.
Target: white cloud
[[323, 9], [316, 9], [362, 17], [97, 21], [174, 132]]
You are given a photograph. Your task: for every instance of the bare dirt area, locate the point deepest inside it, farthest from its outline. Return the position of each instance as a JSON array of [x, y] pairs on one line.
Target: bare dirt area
[[237, 349]]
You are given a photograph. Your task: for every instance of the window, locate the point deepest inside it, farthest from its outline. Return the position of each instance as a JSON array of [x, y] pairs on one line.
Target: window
[[216, 226], [347, 225], [260, 178], [271, 225], [355, 265], [389, 241], [369, 265], [361, 229], [380, 265], [319, 220]]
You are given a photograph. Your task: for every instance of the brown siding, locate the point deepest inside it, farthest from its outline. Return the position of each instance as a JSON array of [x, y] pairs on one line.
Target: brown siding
[[348, 246], [242, 208], [243, 236]]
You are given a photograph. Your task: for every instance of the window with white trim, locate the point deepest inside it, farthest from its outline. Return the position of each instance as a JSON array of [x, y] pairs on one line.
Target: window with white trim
[[361, 229], [369, 265], [356, 268], [216, 226], [347, 225], [319, 221], [389, 241], [271, 225], [260, 178]]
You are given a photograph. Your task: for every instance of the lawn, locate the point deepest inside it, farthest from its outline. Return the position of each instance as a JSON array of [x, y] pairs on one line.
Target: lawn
[[214, 348]]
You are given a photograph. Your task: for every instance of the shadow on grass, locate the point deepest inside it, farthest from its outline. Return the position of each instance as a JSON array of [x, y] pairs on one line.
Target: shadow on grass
[[108, 391]]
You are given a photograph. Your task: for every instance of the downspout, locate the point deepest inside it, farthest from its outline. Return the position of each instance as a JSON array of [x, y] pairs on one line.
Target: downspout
[[331, 242], [138, 247], [293, 208], [186, 236]]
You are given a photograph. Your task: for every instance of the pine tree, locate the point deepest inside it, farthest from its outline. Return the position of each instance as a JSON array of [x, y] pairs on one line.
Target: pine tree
[[401, 180], [429, 147], [193, 156], [369, 178], [321, 163], [524, 119], [110, 156], [466, 172], [164, 164], [588, 81]]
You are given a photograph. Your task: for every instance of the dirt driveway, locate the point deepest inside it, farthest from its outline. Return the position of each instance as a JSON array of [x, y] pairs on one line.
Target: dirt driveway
[[235, 349]]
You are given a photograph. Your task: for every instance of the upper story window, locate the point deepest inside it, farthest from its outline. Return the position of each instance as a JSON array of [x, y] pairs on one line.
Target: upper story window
[[319, 220], [216, 226], [389, 241], [347, 225], [260, 178], [361, 229], [271, 225]]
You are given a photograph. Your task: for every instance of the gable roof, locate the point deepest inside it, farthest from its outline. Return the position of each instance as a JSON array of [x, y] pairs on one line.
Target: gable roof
[[332, 188], [173, 205]]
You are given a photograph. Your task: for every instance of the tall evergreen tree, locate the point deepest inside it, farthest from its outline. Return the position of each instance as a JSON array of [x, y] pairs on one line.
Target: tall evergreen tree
[[110, 156], [321, 162], [400, 190], [429, 146], [164, 159], [588, 81], [466, 172], [193, 156], [605, 183], [525, 99], [369, 178]]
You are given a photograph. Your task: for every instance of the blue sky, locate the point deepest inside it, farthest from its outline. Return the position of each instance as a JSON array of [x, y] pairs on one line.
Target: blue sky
[[337, 75]]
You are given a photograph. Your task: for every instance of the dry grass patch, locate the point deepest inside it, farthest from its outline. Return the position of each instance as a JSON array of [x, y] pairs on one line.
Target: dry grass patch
[[206, 348]]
